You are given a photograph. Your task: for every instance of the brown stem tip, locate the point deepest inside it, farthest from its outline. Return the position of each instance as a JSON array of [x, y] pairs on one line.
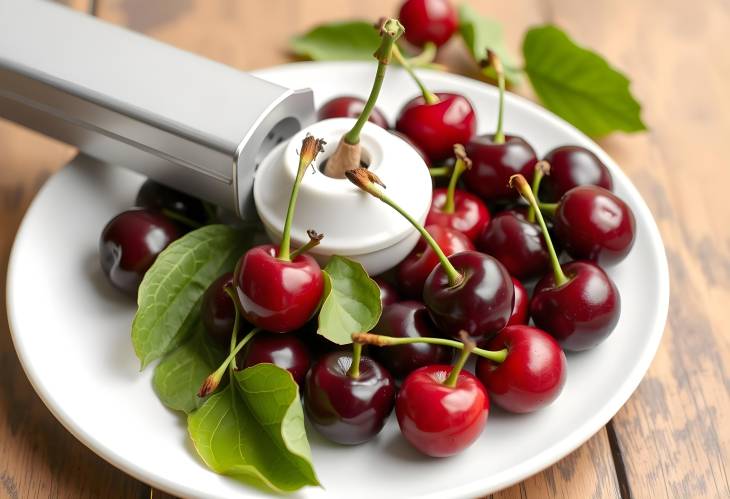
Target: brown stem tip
[[469, 343], [370, 339], [311, 147], [363, 178], [493, 61], [314, 235], [543, 166], [208, 386], [520, 183], [460, 153]]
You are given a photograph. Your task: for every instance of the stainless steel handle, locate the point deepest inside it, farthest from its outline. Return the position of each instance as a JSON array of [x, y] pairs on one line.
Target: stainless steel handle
[[121, 97]]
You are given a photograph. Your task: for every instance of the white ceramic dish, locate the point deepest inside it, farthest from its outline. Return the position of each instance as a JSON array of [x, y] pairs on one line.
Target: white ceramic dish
[[71, 332]]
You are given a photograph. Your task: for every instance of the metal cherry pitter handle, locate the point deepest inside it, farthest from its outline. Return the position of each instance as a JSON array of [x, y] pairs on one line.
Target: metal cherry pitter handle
[[196, 125]]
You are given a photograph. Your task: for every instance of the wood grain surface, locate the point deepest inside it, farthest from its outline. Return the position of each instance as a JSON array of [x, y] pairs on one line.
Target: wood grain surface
[[672, 439]]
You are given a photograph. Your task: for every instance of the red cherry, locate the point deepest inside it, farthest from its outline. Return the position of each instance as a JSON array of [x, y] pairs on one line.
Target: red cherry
[[426, 21], [571, 166], [415, 269], [388, 294], [494, 163], [218, 311], [277, 295], [439, 420], [469, 217], [348, 106], [521, 308], [532, 375], [283, 350], [435, 128], [593, 223]]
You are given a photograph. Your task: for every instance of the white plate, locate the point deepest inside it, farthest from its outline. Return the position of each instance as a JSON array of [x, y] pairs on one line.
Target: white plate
[[71, 332]]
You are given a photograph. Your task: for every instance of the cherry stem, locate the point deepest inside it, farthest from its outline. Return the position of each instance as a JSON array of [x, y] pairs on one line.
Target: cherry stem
[[495, 62], [354, 371], [212, 381], [462, 163], [469, 346], [386, 341], [548, 208], [520, 183], [311, 147], [234, 334], [428, 96], [426, 57], [366, 180], [178, 217], [390, 31], [440, 171], [314, 240], [541, 169]]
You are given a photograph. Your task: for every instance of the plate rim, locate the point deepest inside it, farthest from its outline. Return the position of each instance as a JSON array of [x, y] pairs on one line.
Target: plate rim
[[492, 483]]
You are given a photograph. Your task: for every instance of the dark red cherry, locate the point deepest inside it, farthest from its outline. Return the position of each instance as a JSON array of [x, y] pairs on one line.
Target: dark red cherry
[[156, 196], [409, 319], [521, 308], [532, 375], [517, 244], [480, 303], [426, 21], [435, 128], [470, 214], [348, 106], [283, 350], [571, 166], [439, 420], [130, 243], [580, 313], [593, 223], [415, 269], [388, 294], [348, 410], [277, 295], [218, 311], [493, 165]]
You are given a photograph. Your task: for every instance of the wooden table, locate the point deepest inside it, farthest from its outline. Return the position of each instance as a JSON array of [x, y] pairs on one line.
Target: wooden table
[[672, 439]]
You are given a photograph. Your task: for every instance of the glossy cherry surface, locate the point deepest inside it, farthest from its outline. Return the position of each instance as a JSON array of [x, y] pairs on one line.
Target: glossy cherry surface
[[283, 350], [276, 295], [218, 311], [469, 217], [439, 420], [409, 319], [593, 223], [521, 306], [481, 304], [348, 410], [388, 294], [425, 21], [130, 243], [348, 106], [494, 164], [417, 266], [532, 375], [156, 196], [581, 313], [571, 166], [516, 243], [435, 128]]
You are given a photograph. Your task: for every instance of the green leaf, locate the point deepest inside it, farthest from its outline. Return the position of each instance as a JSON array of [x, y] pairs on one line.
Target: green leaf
[[578, 84], [479, 34], [254, 430], [352, 40], [179, 375], [351, 303], [175, 283]]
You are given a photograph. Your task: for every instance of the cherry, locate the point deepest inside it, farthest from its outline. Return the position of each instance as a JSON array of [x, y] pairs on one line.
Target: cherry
[[578, 303], [409, 319], [457, 209], [218, 311], [571, 166], [278, 290], [427, 21], [348, 106], [190, 211], [531, 376], [130, 243], [348, 397], [415, 268], [521, 308], [477, 297], [441, 409], [388, 294], [593, 223], [283, 350], [497, 157]]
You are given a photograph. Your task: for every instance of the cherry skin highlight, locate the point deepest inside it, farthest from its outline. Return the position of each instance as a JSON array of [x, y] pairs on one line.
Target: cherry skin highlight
[[426, 21], [571, 166]]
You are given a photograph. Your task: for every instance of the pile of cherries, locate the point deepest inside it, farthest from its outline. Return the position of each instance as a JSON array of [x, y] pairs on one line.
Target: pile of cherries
[[494, 231]]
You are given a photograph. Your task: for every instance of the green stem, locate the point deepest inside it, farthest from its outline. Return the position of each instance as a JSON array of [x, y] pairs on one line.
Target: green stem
[[426, 57], [549, 208], [234, 334], [212, 381], [440, 171], [496, 63], [462, 163], [314, 240], [428, 96], [178, 217], [384, 341], [354, 371], [454, 374], [536, 181]]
